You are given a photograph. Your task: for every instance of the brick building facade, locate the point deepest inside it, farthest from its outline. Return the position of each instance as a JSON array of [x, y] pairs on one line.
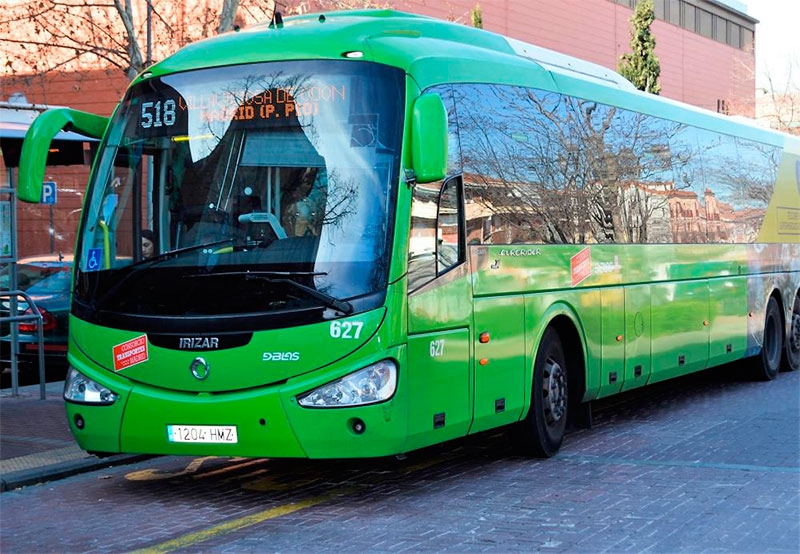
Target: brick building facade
[[705, 48]]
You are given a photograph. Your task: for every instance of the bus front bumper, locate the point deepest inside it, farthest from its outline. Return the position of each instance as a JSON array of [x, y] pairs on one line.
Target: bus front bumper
[[262, 422]]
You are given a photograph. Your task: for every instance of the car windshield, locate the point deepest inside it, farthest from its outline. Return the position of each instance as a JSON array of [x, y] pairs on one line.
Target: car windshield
[[217, 173], [55, 283]]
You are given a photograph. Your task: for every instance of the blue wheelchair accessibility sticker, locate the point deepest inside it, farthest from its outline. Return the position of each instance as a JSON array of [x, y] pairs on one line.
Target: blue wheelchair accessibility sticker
[[94, 261]]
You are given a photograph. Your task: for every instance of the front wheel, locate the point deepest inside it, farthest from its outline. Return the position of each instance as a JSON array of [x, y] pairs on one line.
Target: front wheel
[[769, 361], [542, 431], [791, 354]]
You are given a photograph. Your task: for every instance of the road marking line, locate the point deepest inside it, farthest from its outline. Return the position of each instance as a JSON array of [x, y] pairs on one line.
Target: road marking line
[[264, 483], [193, 539]]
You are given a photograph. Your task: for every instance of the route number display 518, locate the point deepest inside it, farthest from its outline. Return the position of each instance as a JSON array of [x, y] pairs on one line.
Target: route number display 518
[[158, 114]]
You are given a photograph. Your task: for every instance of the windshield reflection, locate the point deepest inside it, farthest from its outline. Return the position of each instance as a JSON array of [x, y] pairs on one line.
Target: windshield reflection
[[268, 167]]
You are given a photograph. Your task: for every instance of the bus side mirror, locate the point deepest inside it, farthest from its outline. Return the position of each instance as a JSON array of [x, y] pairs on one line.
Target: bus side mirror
[[429, 138], [36, 146]]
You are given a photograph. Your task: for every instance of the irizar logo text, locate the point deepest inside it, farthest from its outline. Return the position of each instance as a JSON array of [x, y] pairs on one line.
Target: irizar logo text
[[198, 343]]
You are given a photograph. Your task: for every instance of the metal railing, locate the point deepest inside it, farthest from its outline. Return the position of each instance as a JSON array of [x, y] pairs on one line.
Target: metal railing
[[36, 315]]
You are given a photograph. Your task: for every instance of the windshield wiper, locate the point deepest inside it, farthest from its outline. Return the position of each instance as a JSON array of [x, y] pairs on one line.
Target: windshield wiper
[[148, 262], [169, 254], [285, 277]]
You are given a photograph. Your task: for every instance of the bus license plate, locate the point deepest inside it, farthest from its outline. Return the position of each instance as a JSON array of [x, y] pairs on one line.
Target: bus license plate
[[225, 434]]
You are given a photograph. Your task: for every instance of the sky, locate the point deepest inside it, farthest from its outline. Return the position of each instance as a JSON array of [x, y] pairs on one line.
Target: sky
[[777, 42]]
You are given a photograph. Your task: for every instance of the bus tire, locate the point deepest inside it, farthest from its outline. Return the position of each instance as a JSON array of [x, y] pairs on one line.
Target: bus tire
[[791, 353], [541, 433], [769, 361]]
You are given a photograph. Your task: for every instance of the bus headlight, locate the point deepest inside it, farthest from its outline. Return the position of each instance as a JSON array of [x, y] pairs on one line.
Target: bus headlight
[[370, 385], [82, 390]]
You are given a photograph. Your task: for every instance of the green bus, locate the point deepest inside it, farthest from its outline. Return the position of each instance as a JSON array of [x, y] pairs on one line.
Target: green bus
[[375, 231]]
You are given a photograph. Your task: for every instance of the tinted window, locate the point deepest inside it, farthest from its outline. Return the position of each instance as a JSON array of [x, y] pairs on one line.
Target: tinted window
[[436, 244], [540, 167], [274, 167], [422, 240]]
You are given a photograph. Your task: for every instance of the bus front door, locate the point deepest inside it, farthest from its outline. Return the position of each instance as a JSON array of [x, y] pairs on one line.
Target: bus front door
[[439, 315]]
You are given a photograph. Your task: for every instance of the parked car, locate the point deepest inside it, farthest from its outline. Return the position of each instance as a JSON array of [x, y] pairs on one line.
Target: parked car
[[46, 279]]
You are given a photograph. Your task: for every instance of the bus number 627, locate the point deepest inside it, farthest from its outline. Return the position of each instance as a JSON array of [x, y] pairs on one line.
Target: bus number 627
[[346, 329]]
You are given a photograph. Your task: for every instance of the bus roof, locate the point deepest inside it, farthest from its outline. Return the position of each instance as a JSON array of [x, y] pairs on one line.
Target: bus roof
[[338, 34], [433, 51]]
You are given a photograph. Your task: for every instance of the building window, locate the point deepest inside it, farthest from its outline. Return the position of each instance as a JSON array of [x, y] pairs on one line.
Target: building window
[[747, 39], [688, 17], [660, 9], [720, 29], [705, 23], [686, 14], [674, 12], [734, 35]]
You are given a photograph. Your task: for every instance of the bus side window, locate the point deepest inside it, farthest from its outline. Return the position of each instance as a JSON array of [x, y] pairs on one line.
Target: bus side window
[[422, 240], [449, 228], [436, 244]]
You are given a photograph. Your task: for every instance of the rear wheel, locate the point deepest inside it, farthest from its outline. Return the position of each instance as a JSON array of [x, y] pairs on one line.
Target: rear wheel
[[542, 431], [769, 361], [791, 353]]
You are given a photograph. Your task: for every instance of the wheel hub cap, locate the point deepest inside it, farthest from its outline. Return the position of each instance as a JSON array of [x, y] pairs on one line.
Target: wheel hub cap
[[555, 391]]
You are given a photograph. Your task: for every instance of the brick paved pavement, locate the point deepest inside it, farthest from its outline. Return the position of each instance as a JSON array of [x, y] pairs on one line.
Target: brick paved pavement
[[707, 464], [35, 442]]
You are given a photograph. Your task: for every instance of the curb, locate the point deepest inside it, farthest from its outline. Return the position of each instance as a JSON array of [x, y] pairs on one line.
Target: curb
[[26, 477]]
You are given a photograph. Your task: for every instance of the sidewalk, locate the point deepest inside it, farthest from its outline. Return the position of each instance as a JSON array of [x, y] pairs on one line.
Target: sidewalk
[[35, 441]]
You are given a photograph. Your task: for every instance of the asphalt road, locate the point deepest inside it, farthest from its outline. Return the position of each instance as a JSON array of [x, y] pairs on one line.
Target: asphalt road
[[709, 463]]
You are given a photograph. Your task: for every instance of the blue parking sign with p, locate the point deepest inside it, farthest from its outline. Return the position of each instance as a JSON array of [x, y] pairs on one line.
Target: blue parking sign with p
[[49, 192]]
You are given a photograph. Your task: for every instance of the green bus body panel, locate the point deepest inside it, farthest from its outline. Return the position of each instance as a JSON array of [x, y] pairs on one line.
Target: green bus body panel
[[440, 382], [637, 337], [270, 356], [612, 342], [429, 138], [507, 268], [502, 382], [679, 336], [306, 37], [327, 433], [137, 421], [583, 310], [727, 319], [101, 431], [440, 354], [445, 305], [692, 314], [143, 430]]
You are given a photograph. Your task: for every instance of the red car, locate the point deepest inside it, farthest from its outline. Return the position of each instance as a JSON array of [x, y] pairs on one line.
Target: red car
[[46, 279]]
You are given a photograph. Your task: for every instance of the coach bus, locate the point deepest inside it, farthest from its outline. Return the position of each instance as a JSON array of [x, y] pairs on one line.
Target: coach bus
[[376, 231]]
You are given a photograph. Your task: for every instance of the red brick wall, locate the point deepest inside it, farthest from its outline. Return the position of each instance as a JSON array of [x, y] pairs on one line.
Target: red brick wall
[[694, 69], [92, 91], [40, 229]]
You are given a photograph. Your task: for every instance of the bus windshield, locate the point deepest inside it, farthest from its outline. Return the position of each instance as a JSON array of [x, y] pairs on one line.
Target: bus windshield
[[260, 188]]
